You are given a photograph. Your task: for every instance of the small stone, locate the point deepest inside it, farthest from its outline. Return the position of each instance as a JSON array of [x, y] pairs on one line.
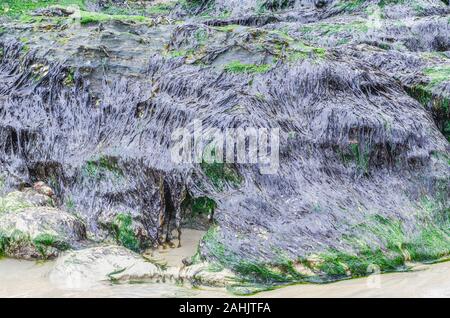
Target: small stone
[[44, 189]]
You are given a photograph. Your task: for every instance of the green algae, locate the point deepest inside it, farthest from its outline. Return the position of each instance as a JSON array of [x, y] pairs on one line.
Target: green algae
[[22, 8], [161, 8], [100, 167], [239, 67], [335, 28], [11, 204], [17, 239], [44, 241], [96, 17], [437, 74], [430, 243], [249, 272], [384, 245], [124, 233], [202, 206], [221, 174]]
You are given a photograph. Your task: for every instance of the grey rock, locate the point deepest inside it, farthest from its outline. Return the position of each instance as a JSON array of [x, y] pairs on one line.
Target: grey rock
[[39, 232], [88, 267]]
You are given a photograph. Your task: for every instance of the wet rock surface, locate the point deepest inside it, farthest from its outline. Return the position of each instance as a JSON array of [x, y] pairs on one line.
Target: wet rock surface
[[84, 268], [31, 229], [87, 267], [359, 90]]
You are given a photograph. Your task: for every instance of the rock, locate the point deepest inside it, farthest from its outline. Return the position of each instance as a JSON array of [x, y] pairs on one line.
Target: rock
[[54, 12], [42, 188], [200, 274], [320, 3], [88, 267], [18, 200], [39, 232], [304, 270], [204, 274], [342, 83], [125, 230]]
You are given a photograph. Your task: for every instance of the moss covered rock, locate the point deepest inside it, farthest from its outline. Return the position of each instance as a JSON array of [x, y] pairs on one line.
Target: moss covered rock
[[39, 232]]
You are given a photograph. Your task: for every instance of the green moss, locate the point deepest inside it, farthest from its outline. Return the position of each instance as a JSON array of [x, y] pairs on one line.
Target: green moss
[[335, 28], [437, 74], [102, 166], [124, 233], [44, 241], [203, 206], [161, 8], [201, 36], [196, 258], [18, 239], [12, 240], [181, 53], [384, 3], [192, 5], [69, 79], [357, 154], [12, 204], [249, 272], [340, 264], [351, 5], [282, 272], [70, 204], [299, 51], [442, 156], [430, 244], [439, 105], [220, 174], [239, 67], [379, 241], [4, 243], [446, 129], [96, 17], [18, 8], [424, 95]]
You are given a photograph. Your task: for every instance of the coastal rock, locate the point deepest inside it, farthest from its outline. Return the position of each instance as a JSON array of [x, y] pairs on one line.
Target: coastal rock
[[39, 232], [355, 92], [42, 188], [87, 267], [125, 230], [28, 197], [200, 274]]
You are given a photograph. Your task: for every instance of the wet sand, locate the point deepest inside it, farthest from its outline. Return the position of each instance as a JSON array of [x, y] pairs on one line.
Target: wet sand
[[30, 279], [423, 281], [174, 256]]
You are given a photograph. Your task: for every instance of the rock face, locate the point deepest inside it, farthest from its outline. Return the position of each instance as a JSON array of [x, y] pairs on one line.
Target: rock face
[[359, 91], [30, 231]]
